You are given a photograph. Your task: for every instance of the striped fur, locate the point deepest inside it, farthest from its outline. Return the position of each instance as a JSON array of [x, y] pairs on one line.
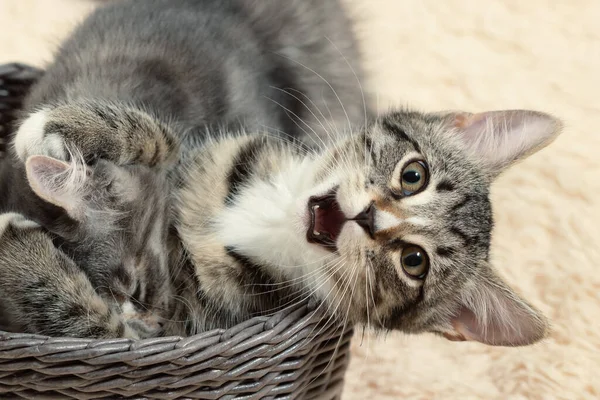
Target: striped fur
[[239, 244], [98, 268], [242, 219]]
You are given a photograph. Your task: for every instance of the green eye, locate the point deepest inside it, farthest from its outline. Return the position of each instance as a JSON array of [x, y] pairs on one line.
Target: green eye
[[415, 262], [414, 177]]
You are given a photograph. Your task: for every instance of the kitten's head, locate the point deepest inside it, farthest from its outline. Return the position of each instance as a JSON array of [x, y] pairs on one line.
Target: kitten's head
[[404, 207], [113, 224]]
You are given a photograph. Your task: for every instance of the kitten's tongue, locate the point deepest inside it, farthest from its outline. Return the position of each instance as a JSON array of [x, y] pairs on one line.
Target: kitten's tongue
[[327, 220]]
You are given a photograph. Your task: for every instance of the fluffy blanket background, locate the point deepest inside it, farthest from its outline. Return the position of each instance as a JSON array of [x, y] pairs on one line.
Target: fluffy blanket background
[[473, 55]]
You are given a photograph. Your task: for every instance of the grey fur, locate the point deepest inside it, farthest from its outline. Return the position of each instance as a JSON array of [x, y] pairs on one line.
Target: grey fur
[[138, 77], [195, 65], [110, 277], [239, 243]]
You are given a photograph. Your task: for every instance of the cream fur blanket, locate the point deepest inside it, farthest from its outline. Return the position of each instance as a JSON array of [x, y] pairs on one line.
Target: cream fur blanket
[[473, 55]]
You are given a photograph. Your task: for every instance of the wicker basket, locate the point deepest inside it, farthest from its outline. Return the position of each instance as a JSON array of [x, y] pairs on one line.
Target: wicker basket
[[294, 354]]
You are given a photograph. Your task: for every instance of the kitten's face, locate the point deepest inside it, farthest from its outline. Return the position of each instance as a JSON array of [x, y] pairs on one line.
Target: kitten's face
[[115, 231], [404, 208]]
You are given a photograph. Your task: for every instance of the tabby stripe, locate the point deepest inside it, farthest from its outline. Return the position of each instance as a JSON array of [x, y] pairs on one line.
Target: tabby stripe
[[446, 252], [396, 130], [445, 186], [466, 238], [107, 116], [369, 145], [396, 245], [461, 204], [242, 167], [395, 319], [250, 272]]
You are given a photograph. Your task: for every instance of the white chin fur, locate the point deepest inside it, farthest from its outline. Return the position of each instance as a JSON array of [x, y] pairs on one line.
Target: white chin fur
[[268, 223]]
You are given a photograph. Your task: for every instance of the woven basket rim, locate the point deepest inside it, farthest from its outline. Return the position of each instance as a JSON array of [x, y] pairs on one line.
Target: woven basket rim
[[288, 317]]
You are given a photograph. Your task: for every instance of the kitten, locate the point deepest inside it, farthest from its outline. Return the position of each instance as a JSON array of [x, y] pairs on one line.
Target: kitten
[[110, 277], [388, 226]]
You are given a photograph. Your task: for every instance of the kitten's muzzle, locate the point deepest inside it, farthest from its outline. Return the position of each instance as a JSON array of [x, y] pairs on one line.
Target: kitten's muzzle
[[366, 220]]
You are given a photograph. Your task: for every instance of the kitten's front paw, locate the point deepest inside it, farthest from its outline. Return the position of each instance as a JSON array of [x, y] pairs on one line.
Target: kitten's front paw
[[143, 328], [33, 138], [143, 325], [96, 131], [130, 333]]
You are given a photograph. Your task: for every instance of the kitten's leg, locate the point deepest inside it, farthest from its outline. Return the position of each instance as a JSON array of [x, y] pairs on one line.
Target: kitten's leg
[[96, 130], [44, 292]]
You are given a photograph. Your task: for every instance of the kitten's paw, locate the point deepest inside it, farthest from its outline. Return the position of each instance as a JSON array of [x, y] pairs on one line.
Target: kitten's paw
[[15, 220], [130, 333], [144, 328], [32, 138], [144, 325], [96, 131]]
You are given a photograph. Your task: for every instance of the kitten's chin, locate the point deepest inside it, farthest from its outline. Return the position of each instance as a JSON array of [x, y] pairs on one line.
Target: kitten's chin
[[351, 239]]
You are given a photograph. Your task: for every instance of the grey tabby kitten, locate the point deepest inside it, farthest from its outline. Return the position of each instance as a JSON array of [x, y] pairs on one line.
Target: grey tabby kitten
[[110, 276], [388, 226]]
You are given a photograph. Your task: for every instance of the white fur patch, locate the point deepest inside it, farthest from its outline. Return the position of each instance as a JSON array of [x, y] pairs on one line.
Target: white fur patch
[[32, 140], [30, 134], [127, 308], [269, 221], [129, 333], [385, 220], [16, 220]]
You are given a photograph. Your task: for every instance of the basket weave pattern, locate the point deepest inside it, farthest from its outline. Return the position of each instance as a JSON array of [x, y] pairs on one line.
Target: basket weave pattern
[[294, 354]]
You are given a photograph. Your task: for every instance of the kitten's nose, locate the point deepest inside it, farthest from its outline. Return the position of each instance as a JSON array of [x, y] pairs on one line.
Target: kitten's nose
[[366, 220]]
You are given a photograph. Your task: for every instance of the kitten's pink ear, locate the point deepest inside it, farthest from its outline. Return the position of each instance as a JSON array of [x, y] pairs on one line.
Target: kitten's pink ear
[[57, 182], [499, 138], [493, 314]]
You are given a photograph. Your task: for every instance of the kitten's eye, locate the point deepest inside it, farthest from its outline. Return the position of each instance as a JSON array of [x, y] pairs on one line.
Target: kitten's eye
[[415, 262], [414, 178]]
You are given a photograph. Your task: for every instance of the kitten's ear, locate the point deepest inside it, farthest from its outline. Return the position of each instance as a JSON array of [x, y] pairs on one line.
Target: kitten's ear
[[494, 314], [499, 138], [58, 183]]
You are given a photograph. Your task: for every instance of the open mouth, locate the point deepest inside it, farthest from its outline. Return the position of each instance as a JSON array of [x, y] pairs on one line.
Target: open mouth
[[326, 220]]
